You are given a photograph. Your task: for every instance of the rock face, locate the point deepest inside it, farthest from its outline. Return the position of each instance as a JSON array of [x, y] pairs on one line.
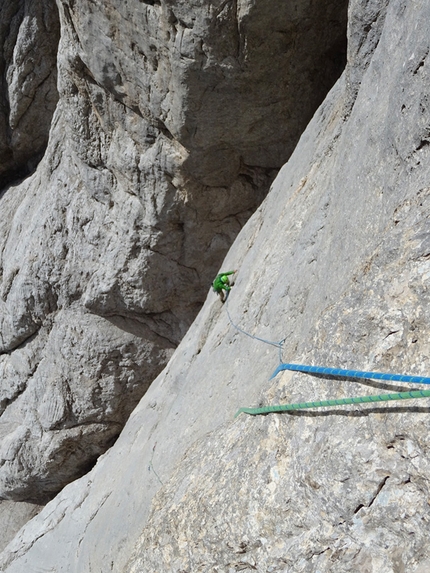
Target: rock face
[[336, 262], [13, 515], [29, 34], [172, 121]]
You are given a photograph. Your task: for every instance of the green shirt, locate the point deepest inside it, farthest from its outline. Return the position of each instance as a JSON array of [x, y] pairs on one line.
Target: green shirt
[[221, 282]]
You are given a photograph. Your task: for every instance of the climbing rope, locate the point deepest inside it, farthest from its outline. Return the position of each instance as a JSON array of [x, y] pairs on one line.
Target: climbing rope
[[270, 342], [331, 372], [151, 465], [339, 402], [350, 373], [343, 401]]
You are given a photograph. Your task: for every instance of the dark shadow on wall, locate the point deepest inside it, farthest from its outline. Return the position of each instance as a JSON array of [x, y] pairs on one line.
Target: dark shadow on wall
[[29, 36], [16, 176], [284, 59]]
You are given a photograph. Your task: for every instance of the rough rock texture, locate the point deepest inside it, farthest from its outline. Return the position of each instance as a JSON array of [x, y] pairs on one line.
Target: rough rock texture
[[172, 120], [29, 34], [336, 261], [13, 515]]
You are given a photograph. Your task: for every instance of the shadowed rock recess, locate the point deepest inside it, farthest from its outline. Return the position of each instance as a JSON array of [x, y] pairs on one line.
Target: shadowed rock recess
[[173, 118], [29, 34]]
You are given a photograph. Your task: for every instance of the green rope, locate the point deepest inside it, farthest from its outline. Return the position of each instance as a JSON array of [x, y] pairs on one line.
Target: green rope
[[340, 402]]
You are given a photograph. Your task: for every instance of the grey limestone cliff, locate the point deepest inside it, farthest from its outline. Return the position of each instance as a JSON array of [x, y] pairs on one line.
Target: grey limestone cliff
[[171, 122], [336, 263]]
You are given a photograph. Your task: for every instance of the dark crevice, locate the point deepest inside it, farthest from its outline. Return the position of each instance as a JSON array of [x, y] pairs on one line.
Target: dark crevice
[[423, 143], [164, 130], [16, 176], [378, 491], [420, 64], [322, 551], [391, 333]]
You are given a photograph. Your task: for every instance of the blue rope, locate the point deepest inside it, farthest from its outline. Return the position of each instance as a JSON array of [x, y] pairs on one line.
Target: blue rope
[[151, 465], [330, 372], [350, 373], [322, 369], [271, 342]]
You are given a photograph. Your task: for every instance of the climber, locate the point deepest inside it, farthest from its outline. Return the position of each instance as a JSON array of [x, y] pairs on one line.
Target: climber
[[223, 283]]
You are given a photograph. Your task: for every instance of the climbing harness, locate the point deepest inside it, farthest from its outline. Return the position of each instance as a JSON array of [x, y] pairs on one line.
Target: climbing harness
[[331, 372]]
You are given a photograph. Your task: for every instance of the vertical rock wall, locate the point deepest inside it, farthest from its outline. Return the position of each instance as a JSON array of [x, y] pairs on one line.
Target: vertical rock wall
[[172, 120], [336, 262]]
